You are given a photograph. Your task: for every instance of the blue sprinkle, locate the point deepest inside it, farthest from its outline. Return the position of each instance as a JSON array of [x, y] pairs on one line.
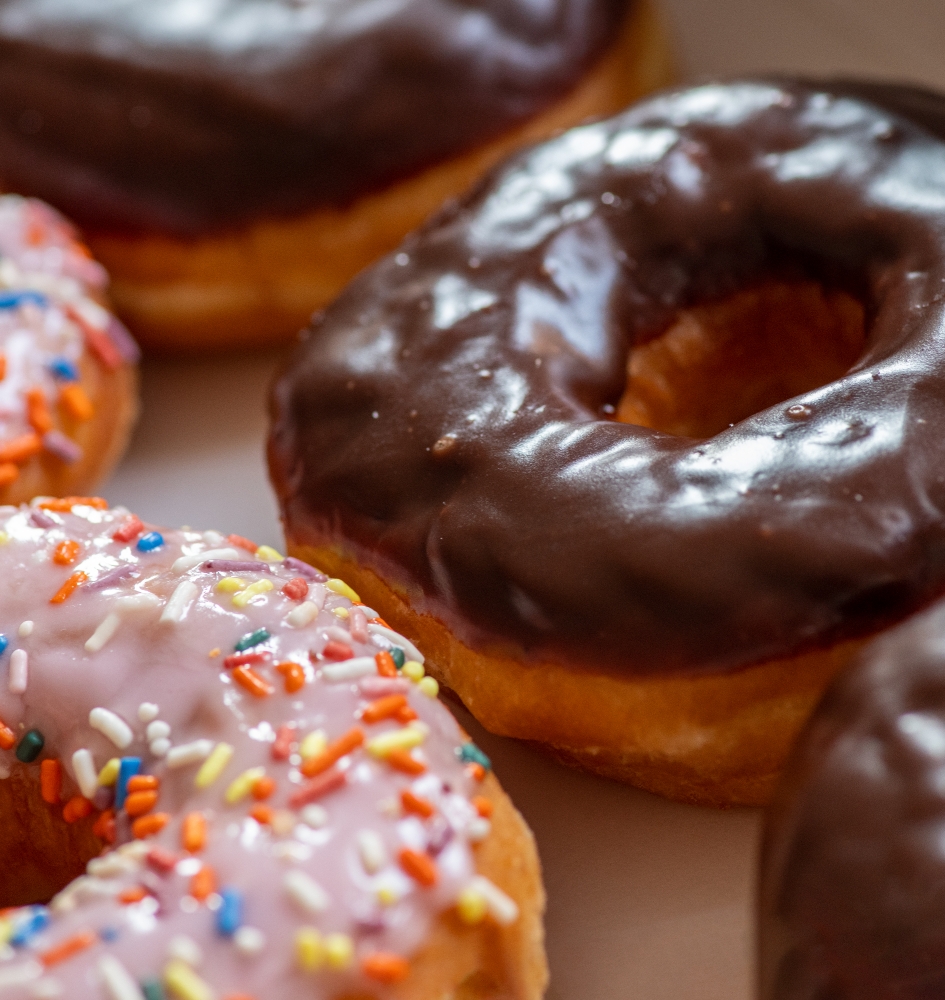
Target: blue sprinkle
[[469, 753], [108, 934], [152, 989], [64, 369], [37, 917], [128, 767], [4, 642], [230, 913], [11, 300], [252, 639], [151, 541], [397, 655]]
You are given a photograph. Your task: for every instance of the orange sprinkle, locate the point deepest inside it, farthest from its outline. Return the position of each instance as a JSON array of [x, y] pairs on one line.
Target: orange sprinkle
[[263, 788], [104, 826], [238, 996], [78, 807], [73, 399], [37, 411], [405, 715], [35, 234], [262, 814], [147, 826], [8, 473], [68, 948], [50, 781], [403, 760], [380, 621], [351, 740], [21, 449], [133, 895], [7, 737], [242, 543], [204, 883], [384, 708], [476, 771], [385, 664], [214, 653], [143, 783], [418, 866], [68, 587], [482, 805], [3, 367], [385, 967], [245, 677], [140, 803], [97, 341], [414, 804], [193, 832], [65, 553], [63, 505], [294, 675]]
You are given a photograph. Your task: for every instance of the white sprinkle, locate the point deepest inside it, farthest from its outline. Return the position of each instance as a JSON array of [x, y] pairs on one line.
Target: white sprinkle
[[25, 629], [103, 633], [315, 816], [339, 634], [189, 753], [17, 975], [19, 671], [186, 949], [398, 640], [157, 729], [83, 765], [302, 615], [180, 601], [185, 563], [214, 538], [112, 726], [142, 600], [46, 989], [159, 747], [249, 940], [5, 769], [372, 851], [118, 981], [147, 711], [502, 908], [349, 670], [478, 829], [305, 891]]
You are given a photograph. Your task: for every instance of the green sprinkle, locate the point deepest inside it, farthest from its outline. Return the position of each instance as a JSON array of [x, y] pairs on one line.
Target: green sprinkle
[[152, 990], [31, 746], [397, 655], [469, 753], [252, 639]]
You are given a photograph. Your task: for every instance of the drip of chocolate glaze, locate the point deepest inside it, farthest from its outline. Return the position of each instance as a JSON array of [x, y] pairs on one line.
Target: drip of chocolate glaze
[[200, 116], [441, 422]]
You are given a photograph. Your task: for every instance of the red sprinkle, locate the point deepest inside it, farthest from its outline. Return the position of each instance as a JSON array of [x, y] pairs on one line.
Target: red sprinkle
[[242, 543], [244, 659], [330, 781], [129, 529], [161, 860], [104, 827], [335, 650], [296, 589], [282, 746]]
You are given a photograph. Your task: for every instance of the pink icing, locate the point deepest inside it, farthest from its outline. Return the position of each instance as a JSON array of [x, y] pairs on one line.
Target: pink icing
[[161, 673]]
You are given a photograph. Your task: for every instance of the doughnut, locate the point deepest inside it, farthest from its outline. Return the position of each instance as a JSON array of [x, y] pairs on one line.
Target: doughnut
[[235, 168], [234, 781], [850, 900], [68, 377], [749, 274]]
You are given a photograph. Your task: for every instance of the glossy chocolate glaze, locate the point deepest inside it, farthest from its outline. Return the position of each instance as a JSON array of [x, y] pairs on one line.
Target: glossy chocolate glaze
[[196, 115], [443, 422], [852, 899]]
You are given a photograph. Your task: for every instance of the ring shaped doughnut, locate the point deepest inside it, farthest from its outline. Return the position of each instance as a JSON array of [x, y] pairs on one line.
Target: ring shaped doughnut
[[444, 424]]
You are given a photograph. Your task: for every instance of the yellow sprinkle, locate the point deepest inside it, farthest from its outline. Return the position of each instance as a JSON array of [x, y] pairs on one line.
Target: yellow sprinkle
[[313, 744], [4, 538], [245, 596], [413, 670], [268, 554], [340, 587], [109, 773], [428, 686], [241, 787], [309, 950], [340, 612], [214, 653], [339, 950], [184, 983], [212, 767], [386, 895], [6, 930], [471, 906], [397, 739], [230, 584]]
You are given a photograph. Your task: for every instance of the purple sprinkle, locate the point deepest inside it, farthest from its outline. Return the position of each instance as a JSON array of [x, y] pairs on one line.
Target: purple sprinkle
[[41, 519], [103, 798], [235, 566], [380, 687], [123, 341], [112, 577], [303, 569], [371, 925], [56, 443], [439, 835]]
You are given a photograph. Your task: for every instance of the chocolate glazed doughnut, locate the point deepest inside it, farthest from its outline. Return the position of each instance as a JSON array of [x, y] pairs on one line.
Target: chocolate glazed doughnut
[[852, 872], [664, 608]]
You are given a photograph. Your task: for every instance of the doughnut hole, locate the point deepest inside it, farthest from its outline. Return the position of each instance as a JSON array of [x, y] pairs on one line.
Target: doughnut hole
[[721, 362], [43, 853]]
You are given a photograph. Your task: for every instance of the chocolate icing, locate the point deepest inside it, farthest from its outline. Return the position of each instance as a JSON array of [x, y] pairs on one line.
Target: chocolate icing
[[442, 422], [852, 900], [201, 115]]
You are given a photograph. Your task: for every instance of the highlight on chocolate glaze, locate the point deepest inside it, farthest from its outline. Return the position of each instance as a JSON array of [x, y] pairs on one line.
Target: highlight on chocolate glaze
[[249, 774]]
